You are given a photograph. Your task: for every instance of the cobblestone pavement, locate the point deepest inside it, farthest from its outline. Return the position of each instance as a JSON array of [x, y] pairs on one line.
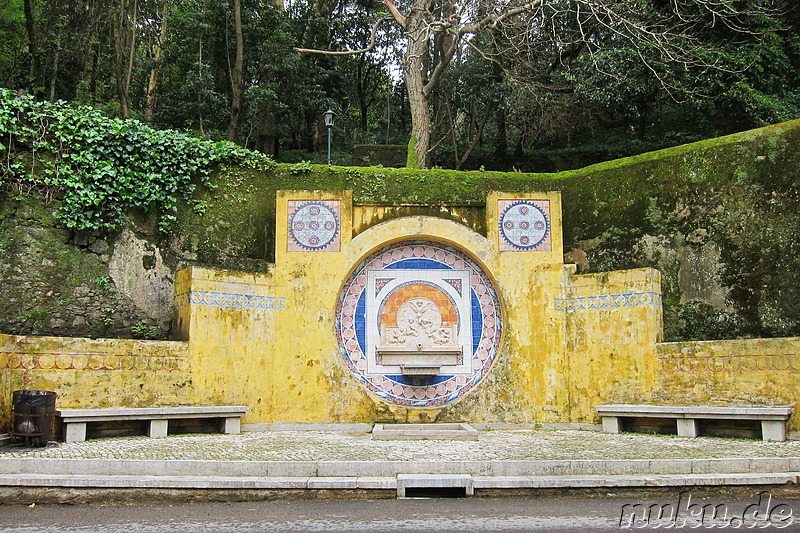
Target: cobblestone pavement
[[501, 445]]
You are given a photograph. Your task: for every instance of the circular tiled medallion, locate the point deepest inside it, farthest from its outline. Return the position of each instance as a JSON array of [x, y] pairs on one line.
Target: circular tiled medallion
[[313, 225], [524, 225], [421, 265]]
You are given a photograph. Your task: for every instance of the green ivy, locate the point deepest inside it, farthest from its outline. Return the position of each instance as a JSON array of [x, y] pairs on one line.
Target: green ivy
[[140, 330], [301, 168], [100, 167]]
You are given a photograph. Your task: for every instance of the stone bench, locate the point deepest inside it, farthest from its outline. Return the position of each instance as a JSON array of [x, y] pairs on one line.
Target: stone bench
[[773, 419], [74, 420]]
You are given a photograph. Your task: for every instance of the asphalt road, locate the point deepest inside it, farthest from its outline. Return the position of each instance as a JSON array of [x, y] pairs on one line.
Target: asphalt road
[[436, 515]]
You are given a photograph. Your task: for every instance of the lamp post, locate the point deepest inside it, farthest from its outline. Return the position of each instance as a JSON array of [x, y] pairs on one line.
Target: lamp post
[[328, 116]]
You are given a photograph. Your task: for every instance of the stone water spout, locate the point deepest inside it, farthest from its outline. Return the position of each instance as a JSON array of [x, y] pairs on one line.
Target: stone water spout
[[419, 344]]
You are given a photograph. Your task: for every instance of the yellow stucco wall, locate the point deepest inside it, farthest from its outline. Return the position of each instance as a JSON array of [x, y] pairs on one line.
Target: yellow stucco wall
[[96, 372], [286, 363], [614, 321], [269, 341], [230, 319], [732, 372]]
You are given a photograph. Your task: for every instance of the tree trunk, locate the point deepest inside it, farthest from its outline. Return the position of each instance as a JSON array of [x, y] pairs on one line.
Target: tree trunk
[[56, 57], [152, 82], [362, 88], [413, 70], [33, 49], [88, 68], [267, 136], [478, 135], [124, 35], [501, 149], [131, 48], [237, 74]]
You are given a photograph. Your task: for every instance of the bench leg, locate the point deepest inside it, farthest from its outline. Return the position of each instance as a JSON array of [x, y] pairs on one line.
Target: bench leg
[[611, 424], [773, 430], [74, 431], [687, 427], [157, 428], [230, 425]]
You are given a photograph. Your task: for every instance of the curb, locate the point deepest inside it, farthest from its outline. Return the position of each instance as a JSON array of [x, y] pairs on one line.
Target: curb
[[432, 481], [354, 469], [394, 475]]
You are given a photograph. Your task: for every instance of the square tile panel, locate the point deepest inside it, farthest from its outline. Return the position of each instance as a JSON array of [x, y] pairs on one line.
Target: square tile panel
[[313, 226], [388, 289], [524, 225]]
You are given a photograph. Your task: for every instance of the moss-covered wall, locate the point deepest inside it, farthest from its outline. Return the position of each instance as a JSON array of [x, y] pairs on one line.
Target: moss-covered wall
[[719, 218], [56, 281]]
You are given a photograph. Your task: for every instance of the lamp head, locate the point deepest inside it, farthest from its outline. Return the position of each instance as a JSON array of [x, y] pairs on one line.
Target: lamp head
[[328, 116]]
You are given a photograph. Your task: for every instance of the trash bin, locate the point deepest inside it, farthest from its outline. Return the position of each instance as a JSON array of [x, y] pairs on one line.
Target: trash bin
[[32, 415]]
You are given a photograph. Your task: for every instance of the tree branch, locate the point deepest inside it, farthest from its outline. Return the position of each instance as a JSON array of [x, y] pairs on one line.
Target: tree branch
[[370, 46], [487, 112], [396, 15], [447, 56], [493, 20]]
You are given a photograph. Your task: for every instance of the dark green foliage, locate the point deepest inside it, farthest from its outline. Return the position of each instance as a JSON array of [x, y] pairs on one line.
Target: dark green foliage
[[103, 168], [12, 45], [140, 330], [562, 92], [761, 251], [699, 321]]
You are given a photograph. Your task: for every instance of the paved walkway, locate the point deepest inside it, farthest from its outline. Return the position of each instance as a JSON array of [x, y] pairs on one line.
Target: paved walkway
[[497, 445], [335, 461]]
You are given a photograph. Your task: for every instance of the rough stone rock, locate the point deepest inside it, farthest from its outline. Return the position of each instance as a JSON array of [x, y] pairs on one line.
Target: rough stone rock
[[100, 246], [35, 233], [579, 258], [699, 275], [81, 290], [81, 238], [26, 212], [151, 289], [697, 236]]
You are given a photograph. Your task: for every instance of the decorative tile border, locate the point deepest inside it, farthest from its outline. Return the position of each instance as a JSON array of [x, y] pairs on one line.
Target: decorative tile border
[[313, 226], [524, 225], [731, 363], [610, 301], [221, 299], [91, 361], [418, 259]]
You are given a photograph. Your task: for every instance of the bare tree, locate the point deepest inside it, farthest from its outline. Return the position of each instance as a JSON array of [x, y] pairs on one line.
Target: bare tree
[[158, 53], [124, 50], [661, 31], [236, 74], [34, 73]]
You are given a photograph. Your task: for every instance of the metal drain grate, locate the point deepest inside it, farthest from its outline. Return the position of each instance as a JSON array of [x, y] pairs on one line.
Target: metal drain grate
[[434, 485]]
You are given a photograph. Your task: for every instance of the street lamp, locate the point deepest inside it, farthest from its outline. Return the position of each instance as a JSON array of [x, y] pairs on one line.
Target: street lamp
[[328, 116]]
